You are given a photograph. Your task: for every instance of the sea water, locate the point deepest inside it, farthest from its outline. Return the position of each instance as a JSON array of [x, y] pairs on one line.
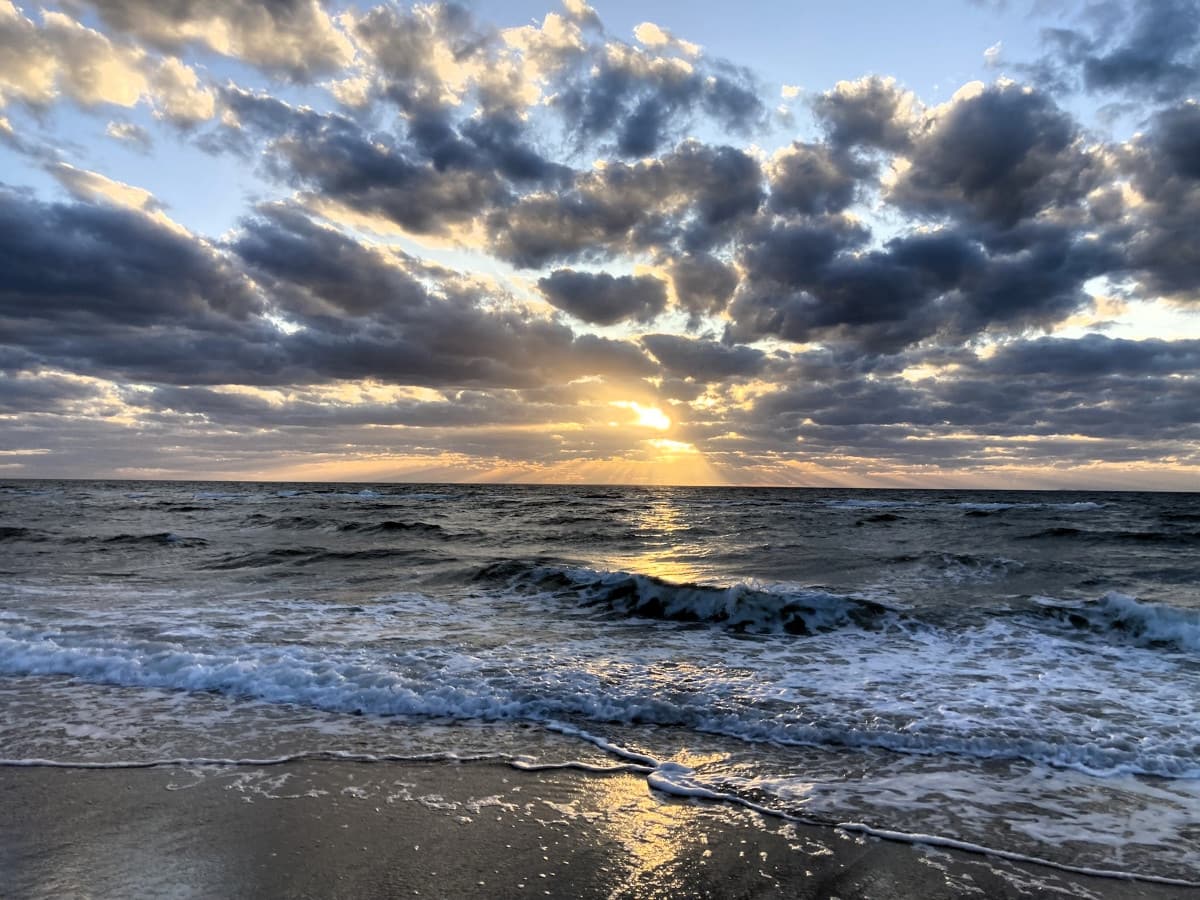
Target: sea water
[[1010, 672]]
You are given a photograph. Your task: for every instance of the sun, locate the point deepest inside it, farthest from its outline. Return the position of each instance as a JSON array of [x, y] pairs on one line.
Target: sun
[[647, 416]]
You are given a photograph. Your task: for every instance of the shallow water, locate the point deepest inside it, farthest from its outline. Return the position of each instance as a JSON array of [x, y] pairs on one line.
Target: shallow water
[[1019, 671]]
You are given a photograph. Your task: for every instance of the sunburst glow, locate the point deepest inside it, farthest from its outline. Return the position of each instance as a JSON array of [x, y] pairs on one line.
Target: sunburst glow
[[647, 416]]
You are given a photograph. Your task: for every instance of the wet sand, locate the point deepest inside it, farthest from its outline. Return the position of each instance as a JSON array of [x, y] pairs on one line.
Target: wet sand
[[336, 829]]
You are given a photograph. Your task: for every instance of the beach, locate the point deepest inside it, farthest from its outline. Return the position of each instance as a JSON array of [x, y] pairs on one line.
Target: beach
[[337, 829]]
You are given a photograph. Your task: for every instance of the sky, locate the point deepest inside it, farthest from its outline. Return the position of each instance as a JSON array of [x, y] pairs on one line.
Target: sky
[[767, 243]]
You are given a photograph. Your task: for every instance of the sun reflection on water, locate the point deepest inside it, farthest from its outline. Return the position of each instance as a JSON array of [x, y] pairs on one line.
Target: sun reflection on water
[[662, 529]]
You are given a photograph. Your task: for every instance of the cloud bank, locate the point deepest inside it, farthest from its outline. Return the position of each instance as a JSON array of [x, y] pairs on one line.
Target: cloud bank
[[476, 251]]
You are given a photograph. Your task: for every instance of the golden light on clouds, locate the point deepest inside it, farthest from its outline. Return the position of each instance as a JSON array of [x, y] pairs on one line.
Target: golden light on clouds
[[647, 416], [669, 447]]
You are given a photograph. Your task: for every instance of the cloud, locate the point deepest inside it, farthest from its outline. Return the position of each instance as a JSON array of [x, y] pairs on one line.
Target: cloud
[[179, 95], [130, 133], [810, 179], [335, 159], [703, 284], [1162, 245], [438, 175], [294, 38], [803, 287], [872, 113], [812, 281], [1149, 48], [824, 302], [644, 99], [995, 156], [77, 264], [427, 57], [45, 393], [91, 186], [692, 197], [368, 314], [603, 299], [703, 360], [38, 63], [969, 417], [650, 35], [315, 273], [109, 291], [1095, 355]]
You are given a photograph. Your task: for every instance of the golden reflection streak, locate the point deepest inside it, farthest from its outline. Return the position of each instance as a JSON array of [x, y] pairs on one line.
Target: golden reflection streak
[[657, 833], [662, 520]]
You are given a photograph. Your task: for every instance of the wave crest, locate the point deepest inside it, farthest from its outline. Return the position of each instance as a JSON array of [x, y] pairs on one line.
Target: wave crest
[[1142, 623], [739, 607]]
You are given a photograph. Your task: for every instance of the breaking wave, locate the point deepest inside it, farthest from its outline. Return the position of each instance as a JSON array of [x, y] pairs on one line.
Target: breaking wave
[[1130, 619], [739, 607]]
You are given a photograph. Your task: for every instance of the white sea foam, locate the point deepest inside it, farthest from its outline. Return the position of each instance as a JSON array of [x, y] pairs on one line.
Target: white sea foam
[[679, 780], [990, 689]]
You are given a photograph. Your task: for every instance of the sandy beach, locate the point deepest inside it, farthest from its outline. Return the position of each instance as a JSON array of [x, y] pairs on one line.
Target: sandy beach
[[337, 829]]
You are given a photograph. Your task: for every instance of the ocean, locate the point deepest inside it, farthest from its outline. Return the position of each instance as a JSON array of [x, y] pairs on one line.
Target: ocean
[[1010, 672]]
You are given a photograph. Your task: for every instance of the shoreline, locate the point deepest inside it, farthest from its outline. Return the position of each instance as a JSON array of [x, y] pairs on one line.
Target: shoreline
[[309, 828]]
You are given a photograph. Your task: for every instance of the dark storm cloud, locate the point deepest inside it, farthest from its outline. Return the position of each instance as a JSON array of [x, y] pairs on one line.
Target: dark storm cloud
[[315, 272], [114, 293], [644, 101], [604, 299], [813, 282], [789, 253], [802, 285], [368, 316], [703, 360], [501, 142], [1132, 400], [694, 196], [703, 285], [459, 345], [1147, 48], [873, 113], [1177, 133], [439, 174], [42, 392], [458, 409], [810, 179], [295, 38], [264, 114], [486, 144], [1036, 284], [75, 263], [996, 158], [1007, 173], [1164, 244], [1096, 355], [373, 174]]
